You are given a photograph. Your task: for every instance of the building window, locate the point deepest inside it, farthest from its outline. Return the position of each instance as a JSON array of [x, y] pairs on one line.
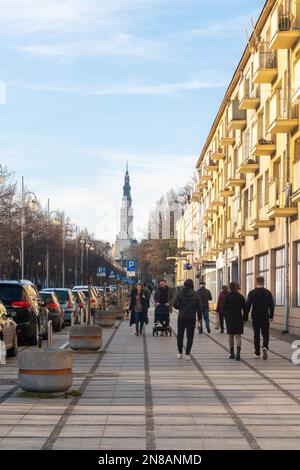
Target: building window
[[298, 274], [267, 185], [249, 275], [263, 268], [260, 192], [279, 276]]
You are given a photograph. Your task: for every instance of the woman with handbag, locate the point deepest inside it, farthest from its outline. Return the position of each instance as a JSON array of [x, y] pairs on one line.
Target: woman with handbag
[[139, 307]]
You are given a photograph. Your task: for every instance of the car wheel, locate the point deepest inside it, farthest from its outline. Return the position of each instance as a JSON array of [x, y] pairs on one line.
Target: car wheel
[[14, 350]]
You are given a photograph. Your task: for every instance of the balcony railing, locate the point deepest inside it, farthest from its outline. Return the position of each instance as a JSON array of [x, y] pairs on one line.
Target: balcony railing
[[287, 22]]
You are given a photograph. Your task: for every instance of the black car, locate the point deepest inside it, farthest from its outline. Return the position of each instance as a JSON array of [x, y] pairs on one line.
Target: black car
[[23, 302]]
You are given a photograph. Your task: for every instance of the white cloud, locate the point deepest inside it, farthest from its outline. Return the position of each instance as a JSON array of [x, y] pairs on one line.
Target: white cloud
[[209, 79], [118, 44]]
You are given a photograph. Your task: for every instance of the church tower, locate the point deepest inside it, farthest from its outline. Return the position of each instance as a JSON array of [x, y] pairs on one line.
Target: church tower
[[125, 236]]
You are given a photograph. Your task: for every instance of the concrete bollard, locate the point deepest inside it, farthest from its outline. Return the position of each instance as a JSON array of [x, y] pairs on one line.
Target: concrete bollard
[[45, 371], [105, 318], [85, 337]]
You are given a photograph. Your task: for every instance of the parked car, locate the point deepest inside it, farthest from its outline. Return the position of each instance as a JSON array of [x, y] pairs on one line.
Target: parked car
[[8, 332], [67, 302], [24, 304], [95, 297], [81, 302], [56, 313]]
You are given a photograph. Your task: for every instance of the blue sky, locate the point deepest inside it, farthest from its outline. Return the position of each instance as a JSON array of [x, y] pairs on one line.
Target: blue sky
[[91, 83]]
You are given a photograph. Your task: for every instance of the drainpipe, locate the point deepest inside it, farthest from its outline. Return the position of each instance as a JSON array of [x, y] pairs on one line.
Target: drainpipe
[[287, 204]]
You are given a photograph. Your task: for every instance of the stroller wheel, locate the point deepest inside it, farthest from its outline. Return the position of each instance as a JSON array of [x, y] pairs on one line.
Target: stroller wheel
[[157, 333], [153, 331]]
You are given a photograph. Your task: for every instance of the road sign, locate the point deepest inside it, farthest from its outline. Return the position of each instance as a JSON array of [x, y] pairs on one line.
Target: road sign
[[101, 271], [131, 266], [209, 265], [112, 275], [187, 266]]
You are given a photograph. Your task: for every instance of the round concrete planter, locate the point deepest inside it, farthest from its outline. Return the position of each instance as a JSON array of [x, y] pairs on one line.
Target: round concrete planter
[[105, 318], [117, 311], [85, 337], [45, 371]]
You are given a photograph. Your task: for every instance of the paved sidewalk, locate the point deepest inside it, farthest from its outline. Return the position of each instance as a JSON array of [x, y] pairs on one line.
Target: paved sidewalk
[[138, 395]]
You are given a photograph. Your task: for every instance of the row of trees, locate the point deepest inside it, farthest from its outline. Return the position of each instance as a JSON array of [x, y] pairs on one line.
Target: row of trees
[[68, 246]]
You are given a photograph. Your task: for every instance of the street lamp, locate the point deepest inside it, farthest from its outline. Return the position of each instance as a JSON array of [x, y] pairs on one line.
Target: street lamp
[[66, 229], [33, 204]]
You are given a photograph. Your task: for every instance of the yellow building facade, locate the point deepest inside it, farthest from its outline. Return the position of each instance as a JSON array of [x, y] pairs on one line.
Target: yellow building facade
[[248, 190]]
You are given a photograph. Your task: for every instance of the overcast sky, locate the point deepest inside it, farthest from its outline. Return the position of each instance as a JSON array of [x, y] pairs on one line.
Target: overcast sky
[[91, 83]]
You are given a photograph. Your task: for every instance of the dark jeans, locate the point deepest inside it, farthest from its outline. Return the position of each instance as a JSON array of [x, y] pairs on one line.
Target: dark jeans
[[261, 325], [205, 316], [139, 324], [222, 320], [189, 325]]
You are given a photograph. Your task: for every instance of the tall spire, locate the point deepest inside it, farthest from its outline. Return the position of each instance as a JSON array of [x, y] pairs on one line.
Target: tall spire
[[127, 187]]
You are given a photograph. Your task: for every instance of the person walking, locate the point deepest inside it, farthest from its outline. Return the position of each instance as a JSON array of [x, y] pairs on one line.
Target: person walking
[[220, 309], [206, 297], [260, 300], [162, 299], [234, 307], [189, 305], [138, 307]]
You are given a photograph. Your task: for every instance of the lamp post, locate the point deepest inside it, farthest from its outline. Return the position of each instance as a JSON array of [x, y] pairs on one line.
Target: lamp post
[[82, 242], [60, 218], [33, 204]]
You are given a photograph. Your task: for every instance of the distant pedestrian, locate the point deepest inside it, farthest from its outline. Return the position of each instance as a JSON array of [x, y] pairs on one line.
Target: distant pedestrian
[[138, 307], [220, 309], [234, 306], [189, 305], [260, 301], [206, 297]]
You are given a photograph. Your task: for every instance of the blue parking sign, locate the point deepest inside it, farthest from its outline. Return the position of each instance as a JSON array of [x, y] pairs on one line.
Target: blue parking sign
[[131, 266]]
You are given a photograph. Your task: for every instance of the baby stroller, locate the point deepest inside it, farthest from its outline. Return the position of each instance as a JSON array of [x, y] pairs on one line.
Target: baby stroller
[[162, 321]]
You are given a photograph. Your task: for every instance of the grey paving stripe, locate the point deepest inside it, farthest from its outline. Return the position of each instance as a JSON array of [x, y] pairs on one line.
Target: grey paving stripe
[[150, 426], [9, 393], [264, 376], [238, 422], [50, 441]]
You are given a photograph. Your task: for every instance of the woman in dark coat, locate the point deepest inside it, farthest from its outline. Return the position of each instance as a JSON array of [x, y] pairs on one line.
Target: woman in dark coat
[[220, 308], [234, 307], [139, 306]]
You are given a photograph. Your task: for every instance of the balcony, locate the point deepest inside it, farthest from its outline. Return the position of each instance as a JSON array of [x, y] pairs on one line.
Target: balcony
[[235, 182], [287, 34], [263, 148], [202, 186], [227, 141], [265, 65], [233, 240], [219, 155], [226, 193], [277, 206], [206, 177], [249, 166], [237, 119], [196, 196], [249, 100], [212, 167], [243, 233], [217, 203], [284, 120]]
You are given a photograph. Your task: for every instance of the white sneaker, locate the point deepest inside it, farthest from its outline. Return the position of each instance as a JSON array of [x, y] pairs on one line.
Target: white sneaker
[[256, 356], [265, 354], [187, 357], [179, 356]]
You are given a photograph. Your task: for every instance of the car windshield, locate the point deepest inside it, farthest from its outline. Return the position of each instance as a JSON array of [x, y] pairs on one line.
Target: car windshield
[[10, 293], [45, 295], [62, 295]]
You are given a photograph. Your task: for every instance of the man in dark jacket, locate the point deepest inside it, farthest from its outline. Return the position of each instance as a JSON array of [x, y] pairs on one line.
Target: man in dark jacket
[[189, 304], [261, 301], [206, 297], [162, 298]]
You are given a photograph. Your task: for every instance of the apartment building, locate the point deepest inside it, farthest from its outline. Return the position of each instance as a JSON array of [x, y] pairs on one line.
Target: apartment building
[[248, 190]]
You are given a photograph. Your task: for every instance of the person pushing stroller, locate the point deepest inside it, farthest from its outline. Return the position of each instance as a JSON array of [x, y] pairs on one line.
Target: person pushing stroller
[[162, 300]]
